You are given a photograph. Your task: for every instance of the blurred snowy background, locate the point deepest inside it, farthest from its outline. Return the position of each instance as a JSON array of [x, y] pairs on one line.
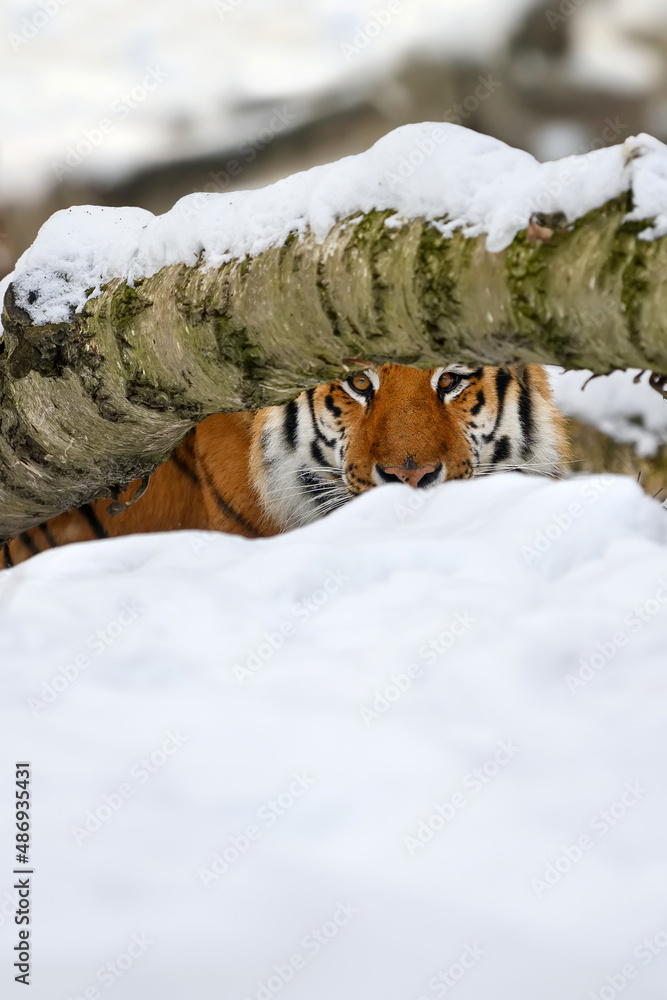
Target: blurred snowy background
[[142, 101], [138, 103]]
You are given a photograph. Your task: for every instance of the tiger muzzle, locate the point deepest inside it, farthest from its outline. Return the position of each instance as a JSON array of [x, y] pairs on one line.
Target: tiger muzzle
[[419, 476]]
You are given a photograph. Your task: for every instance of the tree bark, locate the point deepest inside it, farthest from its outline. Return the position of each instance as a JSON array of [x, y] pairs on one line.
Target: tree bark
[[96, 402]]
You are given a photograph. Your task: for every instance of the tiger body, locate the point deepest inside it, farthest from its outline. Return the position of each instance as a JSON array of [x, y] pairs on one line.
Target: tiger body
[[260, 473]]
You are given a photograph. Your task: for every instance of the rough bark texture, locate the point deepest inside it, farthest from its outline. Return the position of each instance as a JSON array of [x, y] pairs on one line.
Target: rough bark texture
[[98, 401]]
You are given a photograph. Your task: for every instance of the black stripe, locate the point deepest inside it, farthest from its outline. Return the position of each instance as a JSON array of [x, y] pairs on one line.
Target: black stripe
[[330, 405], [50, 540], [93, 520], [501, 451], [503, 379], [309, 480], [28, 543], [311, 405], [479, 404], [526, 417], [318, 457], [8, 559], [185, 469], [224, 506], [291, 423]]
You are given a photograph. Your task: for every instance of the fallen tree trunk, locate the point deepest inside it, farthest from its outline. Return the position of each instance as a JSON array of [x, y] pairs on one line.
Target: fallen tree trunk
[[99, 400]]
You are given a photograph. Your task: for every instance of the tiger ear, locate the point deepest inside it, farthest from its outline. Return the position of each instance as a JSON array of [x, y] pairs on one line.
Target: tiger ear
[[349, 363]]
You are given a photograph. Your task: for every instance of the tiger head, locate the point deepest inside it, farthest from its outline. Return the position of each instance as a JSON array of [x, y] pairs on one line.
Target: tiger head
[[395, 424]]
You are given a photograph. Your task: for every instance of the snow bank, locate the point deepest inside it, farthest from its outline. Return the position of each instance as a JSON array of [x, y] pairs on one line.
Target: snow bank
[[419, 742], [445, 173], [624, 409]]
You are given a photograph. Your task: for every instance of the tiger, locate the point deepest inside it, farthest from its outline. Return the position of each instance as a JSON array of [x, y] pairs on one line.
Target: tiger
[[260, 473]]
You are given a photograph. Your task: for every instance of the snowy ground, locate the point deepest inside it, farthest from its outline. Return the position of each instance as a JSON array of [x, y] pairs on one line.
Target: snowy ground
[[448, 777]]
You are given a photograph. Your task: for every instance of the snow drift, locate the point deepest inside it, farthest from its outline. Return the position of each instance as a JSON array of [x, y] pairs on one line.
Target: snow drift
[[413, 749]]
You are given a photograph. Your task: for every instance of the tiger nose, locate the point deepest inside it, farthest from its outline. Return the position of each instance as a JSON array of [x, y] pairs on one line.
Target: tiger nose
[[410, 476]]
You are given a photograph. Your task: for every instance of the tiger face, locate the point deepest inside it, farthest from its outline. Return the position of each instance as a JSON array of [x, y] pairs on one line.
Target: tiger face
[[396, 424]]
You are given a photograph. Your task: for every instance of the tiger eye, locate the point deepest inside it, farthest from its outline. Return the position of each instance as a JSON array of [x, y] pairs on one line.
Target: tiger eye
[[361, 383], [446, 381]]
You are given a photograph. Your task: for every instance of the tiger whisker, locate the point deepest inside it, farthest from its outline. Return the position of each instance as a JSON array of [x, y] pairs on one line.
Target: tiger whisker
[[314, 495], [333, 505], [329, 500], [299, 490], [518, 465], [527, 465], [329, 470], [490, 472], [295, 521], [326, 480]]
